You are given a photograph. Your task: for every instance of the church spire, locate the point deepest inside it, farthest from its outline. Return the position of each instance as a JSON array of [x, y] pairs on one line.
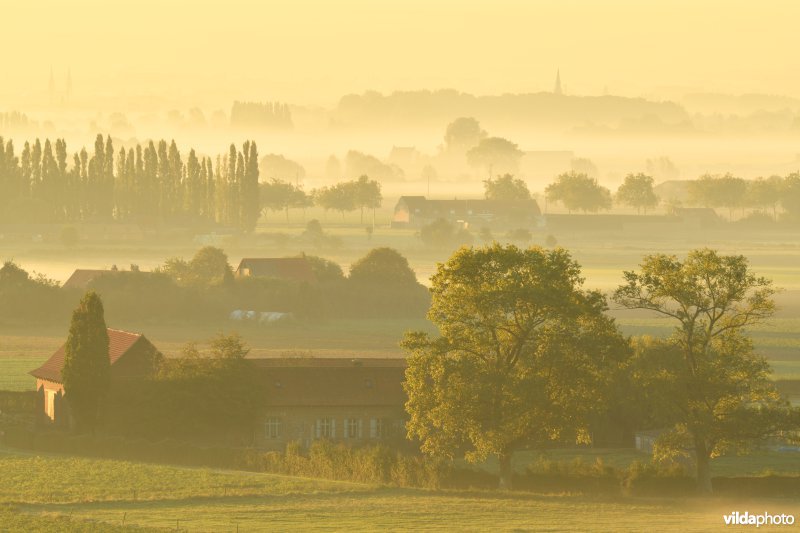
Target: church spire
[[52, 86], [557, 88]]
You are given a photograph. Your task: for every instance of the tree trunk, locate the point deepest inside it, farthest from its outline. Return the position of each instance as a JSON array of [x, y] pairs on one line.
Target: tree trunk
[[505, 470], [703, 469], [362, 214]]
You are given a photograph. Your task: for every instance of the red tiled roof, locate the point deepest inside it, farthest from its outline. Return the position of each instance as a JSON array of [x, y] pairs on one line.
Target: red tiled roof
[[333, 382], [81, 278], [293, 268], [119, 342]]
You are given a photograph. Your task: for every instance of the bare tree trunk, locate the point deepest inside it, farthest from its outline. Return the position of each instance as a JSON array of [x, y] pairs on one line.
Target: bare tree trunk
[[505, 470], [703, 468]]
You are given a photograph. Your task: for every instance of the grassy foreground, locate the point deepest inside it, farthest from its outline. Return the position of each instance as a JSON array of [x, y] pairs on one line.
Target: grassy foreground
[[56, 493]]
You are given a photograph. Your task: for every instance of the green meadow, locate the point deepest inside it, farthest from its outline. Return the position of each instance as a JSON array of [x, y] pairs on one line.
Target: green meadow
[[54, 493]]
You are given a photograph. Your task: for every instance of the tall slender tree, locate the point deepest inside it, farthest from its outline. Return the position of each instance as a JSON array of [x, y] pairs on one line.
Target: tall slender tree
[[87, 368]]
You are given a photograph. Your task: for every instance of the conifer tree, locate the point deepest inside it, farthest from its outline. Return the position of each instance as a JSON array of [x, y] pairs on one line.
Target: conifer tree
[[25, 170], [86, 372], [250, 200], [194, 192]]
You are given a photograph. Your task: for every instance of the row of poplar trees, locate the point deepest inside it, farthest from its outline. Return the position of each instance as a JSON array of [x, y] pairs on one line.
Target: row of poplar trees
[[146, 183]]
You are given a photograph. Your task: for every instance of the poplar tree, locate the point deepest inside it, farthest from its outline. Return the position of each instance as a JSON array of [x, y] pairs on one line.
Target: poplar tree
[[251, 208], [86, 374], [194, 190]]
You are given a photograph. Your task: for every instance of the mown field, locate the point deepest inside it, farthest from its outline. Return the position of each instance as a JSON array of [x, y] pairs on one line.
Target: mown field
[[54, 493]]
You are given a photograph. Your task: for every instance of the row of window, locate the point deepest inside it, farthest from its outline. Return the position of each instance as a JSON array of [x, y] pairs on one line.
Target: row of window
[[325, 428]]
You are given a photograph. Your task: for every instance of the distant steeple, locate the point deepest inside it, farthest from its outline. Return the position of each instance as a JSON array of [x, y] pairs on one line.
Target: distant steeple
[[52, 86], [69, 84], [557, 88]]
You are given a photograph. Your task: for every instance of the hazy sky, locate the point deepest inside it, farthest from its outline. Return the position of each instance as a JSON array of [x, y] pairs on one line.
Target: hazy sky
[[301, 51]]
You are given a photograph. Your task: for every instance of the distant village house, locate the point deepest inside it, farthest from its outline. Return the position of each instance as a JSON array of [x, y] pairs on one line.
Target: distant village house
[[286, 268], [417, 211]]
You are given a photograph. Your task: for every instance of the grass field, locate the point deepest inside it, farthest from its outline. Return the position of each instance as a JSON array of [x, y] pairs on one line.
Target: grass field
[[22, 349], [39, 492]]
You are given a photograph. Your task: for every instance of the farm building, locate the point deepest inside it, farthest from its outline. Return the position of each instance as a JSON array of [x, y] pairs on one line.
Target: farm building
[[346, 400], [131, 356], [645, 439], [82, 277], [286, 268], [416, 211]]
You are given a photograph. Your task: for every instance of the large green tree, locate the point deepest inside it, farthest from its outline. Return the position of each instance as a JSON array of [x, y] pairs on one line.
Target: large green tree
[[86, 372], [383, 266], [367, 194], [716, 392], [506, 188], [637, 191], [578, 191], [522, 358]]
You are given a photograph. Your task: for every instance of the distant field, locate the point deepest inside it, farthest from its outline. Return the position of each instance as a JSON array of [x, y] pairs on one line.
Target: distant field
[[192, 499], [22, 351]]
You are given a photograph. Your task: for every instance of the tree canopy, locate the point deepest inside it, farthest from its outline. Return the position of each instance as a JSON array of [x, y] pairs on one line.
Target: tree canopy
[[578, 191], [521, 359], [718, 191], [463, 134], [506, 188], [715, 391], [383, 266], [209, 267], [496, 155], [637, 191]]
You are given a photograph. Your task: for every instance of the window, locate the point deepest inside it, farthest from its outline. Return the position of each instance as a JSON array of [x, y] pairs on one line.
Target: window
[[326, 428], [272, 428], [377, 428], [352, 428]]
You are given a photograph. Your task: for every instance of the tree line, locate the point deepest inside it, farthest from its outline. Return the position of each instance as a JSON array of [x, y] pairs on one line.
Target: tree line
[[204, 290], [578, 192], [359, 194], [153, 182]]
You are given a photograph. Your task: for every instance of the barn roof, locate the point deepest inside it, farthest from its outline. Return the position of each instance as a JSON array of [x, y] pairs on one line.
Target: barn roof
[[81, 278], [329, 382], [292, 268], [119, 342]]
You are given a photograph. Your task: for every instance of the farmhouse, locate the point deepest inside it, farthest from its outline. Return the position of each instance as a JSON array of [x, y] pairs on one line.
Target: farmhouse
[[286, 268], [416, 211], [82, 277], [346, 400], [131, 356]]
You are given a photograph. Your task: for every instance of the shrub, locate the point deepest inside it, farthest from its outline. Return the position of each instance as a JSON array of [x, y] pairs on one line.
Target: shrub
[[647, 479]]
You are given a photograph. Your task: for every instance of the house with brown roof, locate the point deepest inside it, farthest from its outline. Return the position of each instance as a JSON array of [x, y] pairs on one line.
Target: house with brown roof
[[82, 277], [354, 401], [131, 355], [286, 268]]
